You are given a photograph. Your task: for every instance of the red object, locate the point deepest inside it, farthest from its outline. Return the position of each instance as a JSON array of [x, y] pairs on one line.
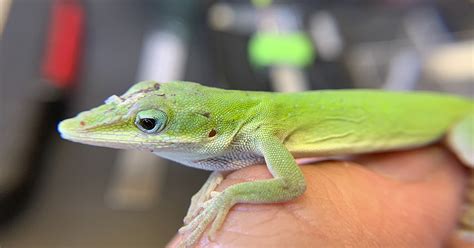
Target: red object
[[63, 43]]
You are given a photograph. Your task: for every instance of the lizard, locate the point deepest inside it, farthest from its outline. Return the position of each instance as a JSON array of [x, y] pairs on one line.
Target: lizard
[[224, 130]]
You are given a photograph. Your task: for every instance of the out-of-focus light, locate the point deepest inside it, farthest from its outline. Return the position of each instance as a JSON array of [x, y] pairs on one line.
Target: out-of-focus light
[[452, 63], [163, 57], [221, 16], [4, 10], [261, 3], [425, 29], [292, 49], [288, 79], [326, 35], [403, 70]]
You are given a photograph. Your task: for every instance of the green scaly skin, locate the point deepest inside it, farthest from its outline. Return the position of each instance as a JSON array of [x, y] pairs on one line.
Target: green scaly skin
[[222, 130]]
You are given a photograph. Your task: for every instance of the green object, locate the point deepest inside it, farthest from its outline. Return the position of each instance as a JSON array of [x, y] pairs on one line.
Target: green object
[[261, 3], [221, 130], [291, 49]]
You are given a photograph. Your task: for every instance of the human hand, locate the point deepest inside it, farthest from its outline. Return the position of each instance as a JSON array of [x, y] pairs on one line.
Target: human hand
[[398, 199]]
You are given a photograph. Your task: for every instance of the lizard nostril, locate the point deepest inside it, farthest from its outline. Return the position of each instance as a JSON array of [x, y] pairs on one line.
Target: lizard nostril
[[82, 123]]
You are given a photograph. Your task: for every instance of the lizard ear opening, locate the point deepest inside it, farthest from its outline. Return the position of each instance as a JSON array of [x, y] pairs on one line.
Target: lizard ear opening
[[212, 133], [151, 121]]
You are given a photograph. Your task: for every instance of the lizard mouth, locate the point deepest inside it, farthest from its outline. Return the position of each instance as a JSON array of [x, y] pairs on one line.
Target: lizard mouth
[[97, 140], [74, 130], [69, 130], [115, 142]]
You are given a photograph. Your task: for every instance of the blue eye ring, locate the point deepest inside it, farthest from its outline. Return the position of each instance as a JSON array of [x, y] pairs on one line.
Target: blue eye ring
[[151, 121]]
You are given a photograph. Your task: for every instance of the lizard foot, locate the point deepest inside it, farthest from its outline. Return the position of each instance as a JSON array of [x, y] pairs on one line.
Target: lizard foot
[[214, 212], [203, 195]]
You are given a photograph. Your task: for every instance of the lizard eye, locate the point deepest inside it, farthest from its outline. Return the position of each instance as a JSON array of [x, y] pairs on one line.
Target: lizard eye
[[151, 121]]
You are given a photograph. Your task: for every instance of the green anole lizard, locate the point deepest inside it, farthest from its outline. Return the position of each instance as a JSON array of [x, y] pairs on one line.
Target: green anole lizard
[[222, 130]]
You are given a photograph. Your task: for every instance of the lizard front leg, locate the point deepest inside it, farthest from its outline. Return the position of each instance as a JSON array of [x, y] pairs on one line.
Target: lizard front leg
[[287, 184]]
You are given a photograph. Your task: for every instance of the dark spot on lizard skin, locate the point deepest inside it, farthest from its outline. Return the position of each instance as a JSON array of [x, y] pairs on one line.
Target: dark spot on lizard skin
[[206, 114], [212, 133], [82, 123], [149, 89]]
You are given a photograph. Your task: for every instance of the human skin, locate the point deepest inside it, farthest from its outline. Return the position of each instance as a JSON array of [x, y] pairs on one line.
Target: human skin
[[398, 199]]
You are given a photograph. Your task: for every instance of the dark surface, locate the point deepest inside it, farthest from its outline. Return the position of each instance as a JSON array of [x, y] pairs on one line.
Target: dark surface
[[66, 207]]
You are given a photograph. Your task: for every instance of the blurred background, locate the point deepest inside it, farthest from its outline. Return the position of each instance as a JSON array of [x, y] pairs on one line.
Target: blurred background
[[59, 57]]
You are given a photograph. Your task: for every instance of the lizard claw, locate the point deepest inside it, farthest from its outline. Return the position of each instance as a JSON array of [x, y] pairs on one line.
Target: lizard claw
[[200, 206], [214, 212], [214, 194], [203, 195]]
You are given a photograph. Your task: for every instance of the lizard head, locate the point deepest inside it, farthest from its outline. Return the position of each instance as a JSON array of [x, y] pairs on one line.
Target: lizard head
[[149, 116]]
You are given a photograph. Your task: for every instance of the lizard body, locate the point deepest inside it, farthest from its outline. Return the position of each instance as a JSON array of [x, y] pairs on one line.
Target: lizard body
[[222, 130]]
